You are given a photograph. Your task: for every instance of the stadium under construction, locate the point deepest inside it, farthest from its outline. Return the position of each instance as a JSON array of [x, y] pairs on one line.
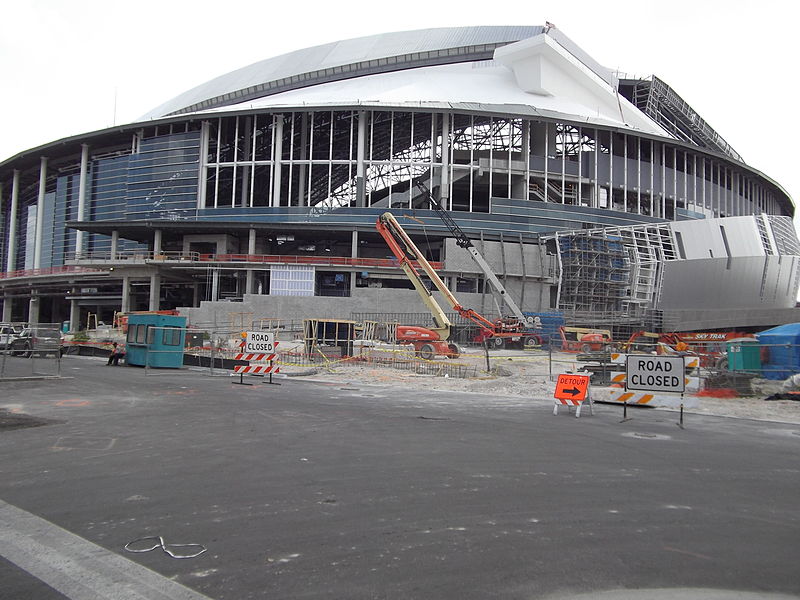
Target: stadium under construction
[[607, 199]]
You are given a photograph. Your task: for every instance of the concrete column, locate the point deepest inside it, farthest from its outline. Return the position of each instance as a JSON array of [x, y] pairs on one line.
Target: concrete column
[[33, 310], [125, 305], [247, 143], [114, 244], [82, 197], [12, 224], [155, 291], [444, 191], [360, 152], [251, 249], [195, 295], [157, 241], [37, 252], [214, 285], [277, 157], [74, 315], [8, 307], [301, 184], [353, 254]]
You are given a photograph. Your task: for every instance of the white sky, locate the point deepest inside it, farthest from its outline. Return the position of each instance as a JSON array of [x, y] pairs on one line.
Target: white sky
[[70, 67]]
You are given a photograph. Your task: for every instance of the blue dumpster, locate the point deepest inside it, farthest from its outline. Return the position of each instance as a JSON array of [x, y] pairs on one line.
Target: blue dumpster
[[155, 340]]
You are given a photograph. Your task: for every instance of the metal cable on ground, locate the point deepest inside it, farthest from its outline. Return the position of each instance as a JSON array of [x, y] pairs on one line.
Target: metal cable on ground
[[159, 543]]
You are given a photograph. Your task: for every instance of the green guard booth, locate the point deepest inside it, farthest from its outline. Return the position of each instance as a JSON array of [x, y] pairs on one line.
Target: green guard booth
[[155, 340]]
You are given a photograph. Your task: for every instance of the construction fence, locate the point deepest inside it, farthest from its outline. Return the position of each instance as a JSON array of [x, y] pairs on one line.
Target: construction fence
[[30, 350], [35, 350]]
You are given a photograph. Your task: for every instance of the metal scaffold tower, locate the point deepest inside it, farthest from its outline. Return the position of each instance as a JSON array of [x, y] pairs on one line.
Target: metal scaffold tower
[[613, 274]]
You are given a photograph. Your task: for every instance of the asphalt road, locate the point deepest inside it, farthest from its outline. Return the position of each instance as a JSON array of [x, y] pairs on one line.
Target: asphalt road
[[328, 490]]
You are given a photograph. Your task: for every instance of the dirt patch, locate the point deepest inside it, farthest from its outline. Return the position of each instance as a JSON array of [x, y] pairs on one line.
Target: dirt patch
[[516, 375], [10, 421]]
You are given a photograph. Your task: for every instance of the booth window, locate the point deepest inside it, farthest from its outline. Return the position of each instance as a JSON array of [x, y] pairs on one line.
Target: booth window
[[141, 334], [132, 333], [172, 336]]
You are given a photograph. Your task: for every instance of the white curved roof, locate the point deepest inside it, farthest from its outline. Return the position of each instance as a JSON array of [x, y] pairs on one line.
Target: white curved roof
[[469, 69], [485, 87], [421, 46]]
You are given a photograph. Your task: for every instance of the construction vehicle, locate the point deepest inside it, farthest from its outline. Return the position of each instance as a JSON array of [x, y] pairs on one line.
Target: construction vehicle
[[710, 347], [584, 340], [648, 342], [427, 342], [509, 329], [432, 341]]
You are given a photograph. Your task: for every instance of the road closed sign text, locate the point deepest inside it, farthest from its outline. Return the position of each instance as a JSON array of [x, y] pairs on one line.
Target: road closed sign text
[[259, 341], [655, 373]]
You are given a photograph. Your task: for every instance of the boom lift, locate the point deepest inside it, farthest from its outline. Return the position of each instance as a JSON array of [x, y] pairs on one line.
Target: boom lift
[[429, 342], [515, 325]]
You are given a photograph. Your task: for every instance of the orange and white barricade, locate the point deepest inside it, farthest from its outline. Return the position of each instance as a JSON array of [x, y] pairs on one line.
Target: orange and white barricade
[[268, 366]]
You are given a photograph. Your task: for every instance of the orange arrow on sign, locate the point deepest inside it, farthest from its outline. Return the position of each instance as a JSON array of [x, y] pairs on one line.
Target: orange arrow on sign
[[571, 387]]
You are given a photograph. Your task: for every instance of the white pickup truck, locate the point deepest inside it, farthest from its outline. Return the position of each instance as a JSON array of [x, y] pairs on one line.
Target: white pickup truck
[[8, 333]]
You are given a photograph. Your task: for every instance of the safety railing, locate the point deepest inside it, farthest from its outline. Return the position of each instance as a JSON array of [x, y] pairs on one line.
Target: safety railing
[[196, 257], [48, 271]]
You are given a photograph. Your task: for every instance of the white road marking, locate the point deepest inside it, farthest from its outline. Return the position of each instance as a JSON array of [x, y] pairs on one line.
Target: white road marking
[[76, 567]]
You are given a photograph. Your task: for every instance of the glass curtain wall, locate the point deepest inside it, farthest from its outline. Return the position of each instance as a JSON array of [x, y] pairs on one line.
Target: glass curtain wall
[[311, 160]]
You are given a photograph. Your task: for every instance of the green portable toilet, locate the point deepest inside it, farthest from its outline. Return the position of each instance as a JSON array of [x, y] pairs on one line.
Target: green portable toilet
[[744, 355]]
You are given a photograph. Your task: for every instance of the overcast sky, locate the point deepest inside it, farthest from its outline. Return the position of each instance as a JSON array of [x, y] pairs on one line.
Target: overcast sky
[[75, 66]]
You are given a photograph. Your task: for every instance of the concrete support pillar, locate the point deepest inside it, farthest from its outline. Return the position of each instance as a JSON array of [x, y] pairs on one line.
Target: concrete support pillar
[[353, 254], [360, 153], [444, 191], [214, 285], [114, 244], [37, 252], [276, 190], [301, 184], [74, 315], [125, 305], [82, 197], [8, 309], [195, 295], [247, 145], [33, 310], [251, 249], [157, 242], [155, 291], [11, 259], [520, 188]]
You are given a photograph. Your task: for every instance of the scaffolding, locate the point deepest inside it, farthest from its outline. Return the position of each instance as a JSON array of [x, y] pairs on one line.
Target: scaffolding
[[613, 276], [663, 104]]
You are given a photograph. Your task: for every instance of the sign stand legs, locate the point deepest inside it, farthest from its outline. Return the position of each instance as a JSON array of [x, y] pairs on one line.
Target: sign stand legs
[[270, 376], [625, 412], [680, 423], [241, 380]]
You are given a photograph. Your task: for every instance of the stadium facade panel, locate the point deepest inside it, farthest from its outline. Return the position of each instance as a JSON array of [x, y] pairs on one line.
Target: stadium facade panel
[[608, 199]]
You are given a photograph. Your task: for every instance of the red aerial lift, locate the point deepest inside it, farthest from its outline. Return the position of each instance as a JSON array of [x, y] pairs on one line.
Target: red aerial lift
[[515, 328], [429, 342]]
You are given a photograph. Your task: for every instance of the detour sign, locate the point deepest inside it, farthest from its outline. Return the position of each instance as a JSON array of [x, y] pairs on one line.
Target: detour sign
[[572, 387]]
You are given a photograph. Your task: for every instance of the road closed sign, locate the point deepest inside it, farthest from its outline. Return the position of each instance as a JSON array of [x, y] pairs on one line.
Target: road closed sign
[[655, 373], [259, 341]]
